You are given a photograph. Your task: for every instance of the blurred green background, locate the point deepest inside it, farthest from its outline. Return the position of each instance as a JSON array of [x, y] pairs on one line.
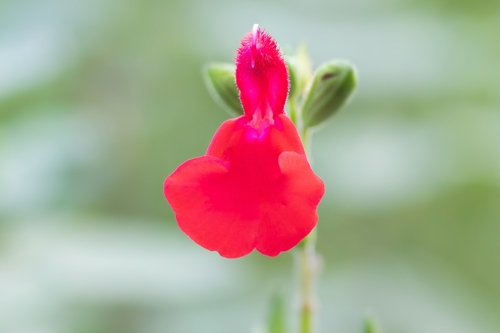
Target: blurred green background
[[101, 100]]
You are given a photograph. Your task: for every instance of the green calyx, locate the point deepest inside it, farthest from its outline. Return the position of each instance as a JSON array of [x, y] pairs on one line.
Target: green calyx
[[220, 81], [332, 85]]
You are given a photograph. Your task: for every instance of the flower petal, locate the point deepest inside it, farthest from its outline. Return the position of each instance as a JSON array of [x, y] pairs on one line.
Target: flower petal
[[296, 216], [261, 74], [198, 193], [252, 190]]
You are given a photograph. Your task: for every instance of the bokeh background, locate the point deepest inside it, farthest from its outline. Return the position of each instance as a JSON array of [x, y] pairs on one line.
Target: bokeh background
[[101, 100]]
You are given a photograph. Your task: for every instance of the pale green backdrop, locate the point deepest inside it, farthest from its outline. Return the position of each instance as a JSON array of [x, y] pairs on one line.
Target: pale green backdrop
[[101, 100]]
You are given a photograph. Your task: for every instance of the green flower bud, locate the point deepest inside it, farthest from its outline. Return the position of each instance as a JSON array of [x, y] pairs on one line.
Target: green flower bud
[[219, 78], [332, 85]]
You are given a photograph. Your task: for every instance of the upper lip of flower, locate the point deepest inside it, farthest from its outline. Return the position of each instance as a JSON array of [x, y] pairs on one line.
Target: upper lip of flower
[[261, 76]]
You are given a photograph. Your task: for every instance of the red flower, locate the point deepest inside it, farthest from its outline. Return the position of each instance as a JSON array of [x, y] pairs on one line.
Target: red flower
[[254, 188]]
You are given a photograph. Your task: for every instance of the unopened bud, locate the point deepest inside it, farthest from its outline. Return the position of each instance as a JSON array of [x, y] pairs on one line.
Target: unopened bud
[[219, 78], [332, 85]]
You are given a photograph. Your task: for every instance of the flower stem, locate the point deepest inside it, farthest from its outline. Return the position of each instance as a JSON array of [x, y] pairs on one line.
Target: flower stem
[[305, 137], [308, 264]]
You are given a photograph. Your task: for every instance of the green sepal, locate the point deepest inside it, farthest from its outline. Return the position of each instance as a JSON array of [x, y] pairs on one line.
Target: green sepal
[[332, 85], [219, 78]]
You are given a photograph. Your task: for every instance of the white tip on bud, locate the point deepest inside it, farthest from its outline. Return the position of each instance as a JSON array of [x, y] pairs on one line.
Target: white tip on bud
[[254, 33]]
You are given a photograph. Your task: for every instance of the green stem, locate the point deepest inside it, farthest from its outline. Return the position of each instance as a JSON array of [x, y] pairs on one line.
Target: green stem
[[307, 263], [305, 137]]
